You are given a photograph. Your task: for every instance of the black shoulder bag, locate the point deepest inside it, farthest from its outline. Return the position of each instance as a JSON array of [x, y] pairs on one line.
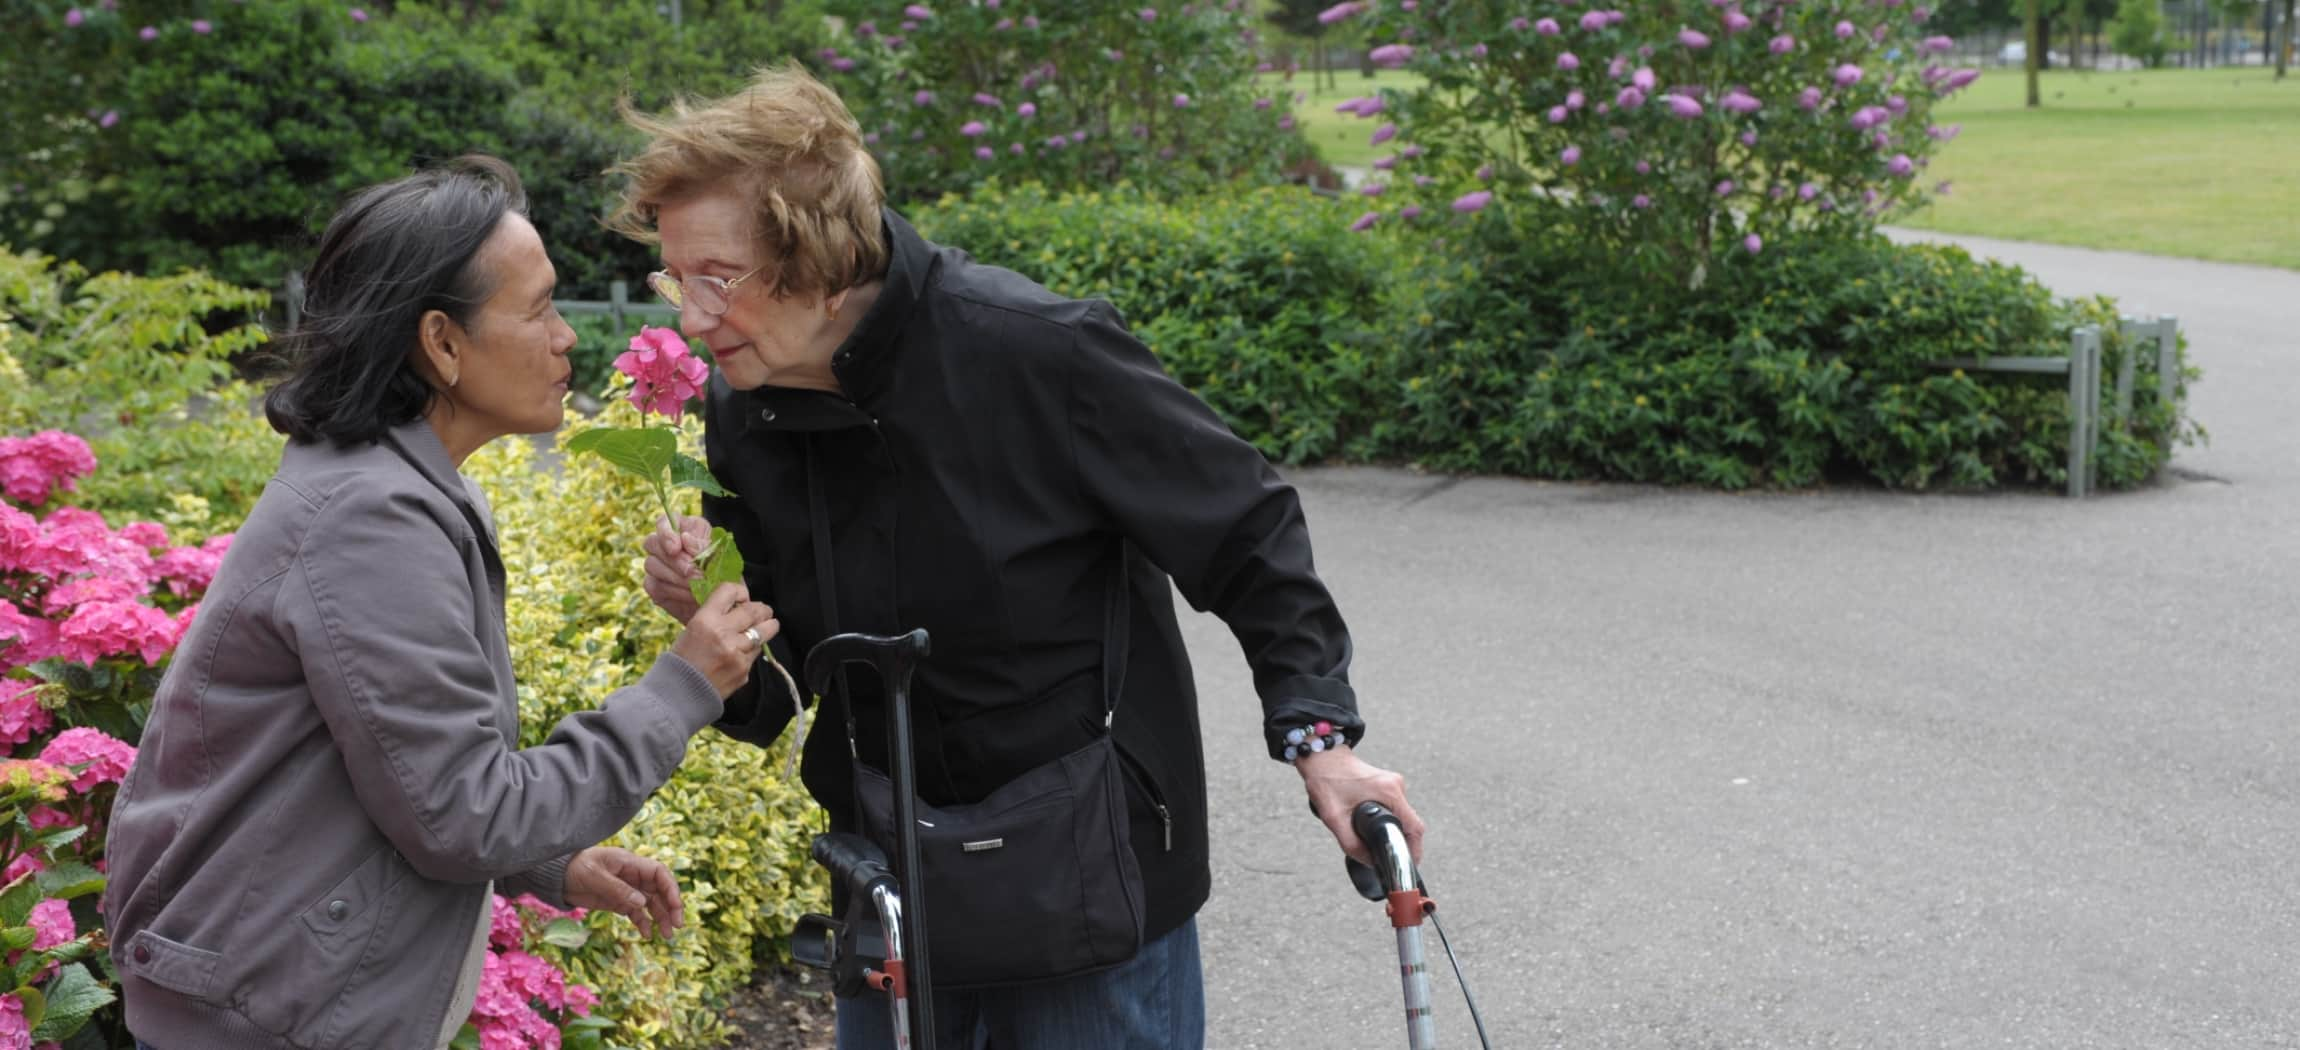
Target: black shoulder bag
[[1038, 881]]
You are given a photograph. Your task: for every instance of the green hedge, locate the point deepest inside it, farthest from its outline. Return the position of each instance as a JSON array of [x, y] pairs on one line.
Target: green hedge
[[1497, 345]]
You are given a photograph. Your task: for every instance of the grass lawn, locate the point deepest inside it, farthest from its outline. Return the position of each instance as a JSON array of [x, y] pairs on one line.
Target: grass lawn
[[1339, 137], [2198, 163]]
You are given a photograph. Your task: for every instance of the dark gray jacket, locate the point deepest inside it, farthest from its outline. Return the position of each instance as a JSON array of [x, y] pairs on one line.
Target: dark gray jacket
[[330, 776]]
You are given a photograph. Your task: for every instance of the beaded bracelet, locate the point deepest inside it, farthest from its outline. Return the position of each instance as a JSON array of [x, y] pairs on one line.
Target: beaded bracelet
[[1311, 739]]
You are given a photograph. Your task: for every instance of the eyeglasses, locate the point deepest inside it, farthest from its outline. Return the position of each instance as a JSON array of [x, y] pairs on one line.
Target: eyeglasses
[[713, 295]]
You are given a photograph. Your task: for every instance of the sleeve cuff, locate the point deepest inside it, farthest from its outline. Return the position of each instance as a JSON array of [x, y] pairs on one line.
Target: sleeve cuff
[[1299, 702], [547, 881], [685, 691]]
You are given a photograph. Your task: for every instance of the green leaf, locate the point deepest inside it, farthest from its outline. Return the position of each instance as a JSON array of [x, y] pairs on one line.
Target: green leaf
[[566, 933], [16, 938], [725, 565], [644, 452], [687, 472], [35, 1005], [72, 997], [64, 836], [466, 1038], [67, 880], [17, 899]]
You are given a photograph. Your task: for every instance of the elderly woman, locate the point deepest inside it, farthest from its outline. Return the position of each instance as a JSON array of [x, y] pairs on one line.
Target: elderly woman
[[920, 440], [331, 780]]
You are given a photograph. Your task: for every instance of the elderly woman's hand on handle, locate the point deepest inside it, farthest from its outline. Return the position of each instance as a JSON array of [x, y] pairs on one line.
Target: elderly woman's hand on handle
[[724, 635]]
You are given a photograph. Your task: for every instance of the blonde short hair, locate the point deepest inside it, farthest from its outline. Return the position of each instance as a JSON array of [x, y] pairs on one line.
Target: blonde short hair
[[790, 145]]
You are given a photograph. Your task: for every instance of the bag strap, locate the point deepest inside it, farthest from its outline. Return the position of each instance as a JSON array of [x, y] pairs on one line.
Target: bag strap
[[826, 582]]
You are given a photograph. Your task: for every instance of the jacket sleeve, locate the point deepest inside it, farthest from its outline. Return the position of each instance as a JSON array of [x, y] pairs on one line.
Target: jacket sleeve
[[547, 881], [381, 610], [761, 707], [1209, 510]]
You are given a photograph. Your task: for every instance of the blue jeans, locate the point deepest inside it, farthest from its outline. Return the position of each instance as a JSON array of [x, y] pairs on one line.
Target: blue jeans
[[1154, 1001]]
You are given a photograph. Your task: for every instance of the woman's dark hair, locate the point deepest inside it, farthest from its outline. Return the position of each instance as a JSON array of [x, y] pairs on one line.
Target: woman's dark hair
[[394, 252]]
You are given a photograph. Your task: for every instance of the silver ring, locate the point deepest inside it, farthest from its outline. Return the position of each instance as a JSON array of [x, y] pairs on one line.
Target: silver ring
[[752, 633]]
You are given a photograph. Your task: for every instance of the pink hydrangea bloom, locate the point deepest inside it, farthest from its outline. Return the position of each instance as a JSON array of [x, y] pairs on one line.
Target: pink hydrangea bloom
[[106, 759], [21, 716], [36, 467], [100, 629], [189, 570], [14, 1033], [665, 375], [52, 924]]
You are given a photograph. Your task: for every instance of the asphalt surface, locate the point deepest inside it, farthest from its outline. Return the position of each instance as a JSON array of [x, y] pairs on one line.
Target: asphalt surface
[[1836, 769]]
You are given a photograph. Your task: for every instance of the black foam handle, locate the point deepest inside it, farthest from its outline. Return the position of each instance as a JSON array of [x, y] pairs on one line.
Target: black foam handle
[[895, 658], [851, 859], [1369, 820]]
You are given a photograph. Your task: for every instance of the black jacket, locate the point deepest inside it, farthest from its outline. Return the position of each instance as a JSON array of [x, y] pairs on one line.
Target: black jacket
[[994, 444]]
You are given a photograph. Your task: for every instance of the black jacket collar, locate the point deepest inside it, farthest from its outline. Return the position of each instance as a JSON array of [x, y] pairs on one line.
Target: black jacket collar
[[865, 363]]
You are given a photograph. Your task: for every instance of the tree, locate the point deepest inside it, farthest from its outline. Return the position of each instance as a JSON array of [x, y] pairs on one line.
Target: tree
[[2034, 61], [1300, 18], [2284, 43], [2138, 30]]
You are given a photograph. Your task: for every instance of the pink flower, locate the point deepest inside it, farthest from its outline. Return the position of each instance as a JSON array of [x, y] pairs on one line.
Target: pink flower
[[1571, 156], [922, 98], [1339, 11], [919, 12], [1383, 134], [972, 128], [1643, 79], [1027, 109], [1944, 134], [1809, 99], [148, 33], [1410, 211], [1568, 61], [1473, 202], [1683, 107], [1148, 14], [1594, 21], [1735, 21], [1782, 45], [1641, 202], [1901, 165], [1643, 168], [1693, 39], [1286, 123], [1629, 98], [189, 570], [1373, 189], [985, 153], [1260, 103], [110, 117], [73, 18], [201, 26], [106, 760], [1725, 188], [1181, 101], [1845, 30], [1740, 101], [665, 375], [1847, 75], [21, 716], [1365, 222], [358, 14], [984, 98], [1484, 173], [1958, 81], [52, 924], [1748, 138], [1559, 114], [15, 1034], [1753, 243], [1546, 27], [1807, 191], [101, 629], [1937, 44], [37, 467], [1870, 116], [1386, 163], [1392, 55]]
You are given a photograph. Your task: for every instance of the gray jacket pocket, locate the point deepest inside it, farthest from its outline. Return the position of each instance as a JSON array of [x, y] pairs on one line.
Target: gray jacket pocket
[[340, 909], [176, 967]]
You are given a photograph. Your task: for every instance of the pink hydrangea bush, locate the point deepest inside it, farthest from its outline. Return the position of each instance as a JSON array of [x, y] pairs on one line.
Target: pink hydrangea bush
[[525, 1001], [1664, 132]]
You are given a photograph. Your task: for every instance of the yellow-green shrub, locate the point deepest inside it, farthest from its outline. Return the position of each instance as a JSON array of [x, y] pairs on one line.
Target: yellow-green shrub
[[729, 825]]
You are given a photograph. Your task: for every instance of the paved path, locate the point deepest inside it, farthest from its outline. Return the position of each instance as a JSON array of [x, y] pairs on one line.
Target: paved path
[[1841, 769]]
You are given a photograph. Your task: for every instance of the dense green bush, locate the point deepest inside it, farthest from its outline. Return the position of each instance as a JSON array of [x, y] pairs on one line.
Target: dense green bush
[[1262, 303], [226, 140], [1516, 348], [1069, 95]]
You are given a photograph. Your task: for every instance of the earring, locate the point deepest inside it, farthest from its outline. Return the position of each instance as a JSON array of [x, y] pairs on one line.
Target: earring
[[832, 309], [451, 380]]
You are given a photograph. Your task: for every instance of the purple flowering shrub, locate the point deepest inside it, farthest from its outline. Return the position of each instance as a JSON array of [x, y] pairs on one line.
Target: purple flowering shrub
[[1669, 132], [1070, 95]]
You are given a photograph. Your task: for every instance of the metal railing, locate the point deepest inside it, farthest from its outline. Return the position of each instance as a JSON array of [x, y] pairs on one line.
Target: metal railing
[[618, 307], [2082, 366]]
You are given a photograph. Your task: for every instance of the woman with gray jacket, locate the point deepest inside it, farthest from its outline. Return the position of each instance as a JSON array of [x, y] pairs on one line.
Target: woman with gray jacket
[[330, 782]]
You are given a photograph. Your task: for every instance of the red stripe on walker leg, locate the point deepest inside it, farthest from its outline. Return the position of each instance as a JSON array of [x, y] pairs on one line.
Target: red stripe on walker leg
[[1406, 908]]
